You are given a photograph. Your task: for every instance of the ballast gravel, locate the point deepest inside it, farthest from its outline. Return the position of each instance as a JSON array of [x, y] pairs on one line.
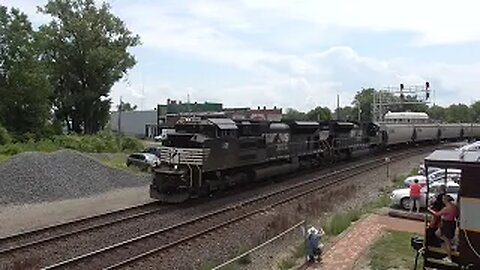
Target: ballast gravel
[[33, 177]]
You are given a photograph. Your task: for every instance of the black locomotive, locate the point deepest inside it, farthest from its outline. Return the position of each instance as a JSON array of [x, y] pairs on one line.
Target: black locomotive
[[208, 154]]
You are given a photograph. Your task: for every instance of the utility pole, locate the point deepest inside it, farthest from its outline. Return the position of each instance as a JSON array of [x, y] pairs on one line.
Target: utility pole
[[120, 108], [338, 107]]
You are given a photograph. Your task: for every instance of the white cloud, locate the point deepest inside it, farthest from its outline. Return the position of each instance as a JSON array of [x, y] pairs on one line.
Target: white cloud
[[226, 33], [437, 22]]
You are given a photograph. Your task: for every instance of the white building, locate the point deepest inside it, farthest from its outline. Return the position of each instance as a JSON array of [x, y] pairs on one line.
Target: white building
[[132, 123]]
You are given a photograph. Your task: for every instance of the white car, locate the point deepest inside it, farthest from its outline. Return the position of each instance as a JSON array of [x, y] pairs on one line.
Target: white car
[[401, 197], [473, 147], [452, 174], [421, 169]]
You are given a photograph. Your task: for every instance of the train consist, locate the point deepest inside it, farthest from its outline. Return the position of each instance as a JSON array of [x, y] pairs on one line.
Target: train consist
[[208, 154]]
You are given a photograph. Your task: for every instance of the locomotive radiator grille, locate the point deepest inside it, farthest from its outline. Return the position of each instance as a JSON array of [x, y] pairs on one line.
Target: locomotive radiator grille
[[192, 156]]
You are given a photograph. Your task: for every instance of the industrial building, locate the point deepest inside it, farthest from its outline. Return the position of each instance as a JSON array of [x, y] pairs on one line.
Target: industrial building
[[132, 123], [149, 124]]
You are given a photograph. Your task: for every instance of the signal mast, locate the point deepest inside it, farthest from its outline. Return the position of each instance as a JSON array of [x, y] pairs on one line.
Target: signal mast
[[388, 97]]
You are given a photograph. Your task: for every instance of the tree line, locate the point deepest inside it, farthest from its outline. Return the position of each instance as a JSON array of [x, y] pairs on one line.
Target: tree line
[[60, 73], [361, 110]]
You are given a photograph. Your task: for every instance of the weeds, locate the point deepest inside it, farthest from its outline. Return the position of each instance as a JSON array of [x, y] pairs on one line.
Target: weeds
[[286, 263], [100, 143], [244, 260], [398, 180], [210, 265], [299, 251]]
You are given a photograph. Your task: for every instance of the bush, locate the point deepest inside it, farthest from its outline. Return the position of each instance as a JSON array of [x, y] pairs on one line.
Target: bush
[[341, 221], [129, 143], [11, 149], [102, 143], [5, 138]]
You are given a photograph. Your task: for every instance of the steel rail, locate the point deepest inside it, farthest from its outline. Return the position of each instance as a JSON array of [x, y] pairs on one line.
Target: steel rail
[[74, 227]]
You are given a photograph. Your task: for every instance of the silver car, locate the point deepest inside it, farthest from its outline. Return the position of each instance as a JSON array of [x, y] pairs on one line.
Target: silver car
[[401, 197], [144, 161]]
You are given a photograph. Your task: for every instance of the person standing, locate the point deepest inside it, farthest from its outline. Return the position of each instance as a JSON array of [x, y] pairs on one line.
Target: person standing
[[438, 205], [415, 190], [314, 246], [447, 229]]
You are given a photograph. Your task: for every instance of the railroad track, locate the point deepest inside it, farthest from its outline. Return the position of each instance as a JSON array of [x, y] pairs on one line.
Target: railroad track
[[164, 240], [46, 234]]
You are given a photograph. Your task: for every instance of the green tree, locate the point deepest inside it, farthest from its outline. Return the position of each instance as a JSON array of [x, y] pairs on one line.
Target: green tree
[[292, 114], [87, 49], [458, 113], [364, 100], [319, 114], [126, 106], [24, 85], [347, 113], [437, 113], [475, 110]]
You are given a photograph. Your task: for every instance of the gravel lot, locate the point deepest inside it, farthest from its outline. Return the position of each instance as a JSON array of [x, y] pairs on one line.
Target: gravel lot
[[34, 177]]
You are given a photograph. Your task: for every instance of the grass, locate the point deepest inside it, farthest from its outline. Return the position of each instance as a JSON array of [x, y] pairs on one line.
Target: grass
[[3, 157], [398, 180], [341, 221], [392, 251], [286, 263], [299, 251]]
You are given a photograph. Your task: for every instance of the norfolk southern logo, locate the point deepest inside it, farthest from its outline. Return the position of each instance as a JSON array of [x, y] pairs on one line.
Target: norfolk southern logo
[[172, 154]]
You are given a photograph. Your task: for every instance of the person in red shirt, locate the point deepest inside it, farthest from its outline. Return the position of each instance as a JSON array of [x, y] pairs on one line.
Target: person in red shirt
[[415, 189]]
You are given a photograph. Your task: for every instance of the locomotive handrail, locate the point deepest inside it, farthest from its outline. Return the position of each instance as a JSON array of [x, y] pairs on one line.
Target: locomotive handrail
[[174, 155]]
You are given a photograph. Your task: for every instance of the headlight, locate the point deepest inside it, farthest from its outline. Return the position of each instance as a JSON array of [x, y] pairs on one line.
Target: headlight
[[175, 167]]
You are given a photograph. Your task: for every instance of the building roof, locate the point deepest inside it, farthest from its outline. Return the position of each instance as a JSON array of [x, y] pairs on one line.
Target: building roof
[[453, 159]]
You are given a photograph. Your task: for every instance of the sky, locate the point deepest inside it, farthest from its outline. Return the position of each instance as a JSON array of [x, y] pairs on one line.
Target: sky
[[298, 54]]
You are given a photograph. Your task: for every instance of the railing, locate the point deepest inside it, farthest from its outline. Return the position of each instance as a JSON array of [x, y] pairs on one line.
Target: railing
[[192, 156]]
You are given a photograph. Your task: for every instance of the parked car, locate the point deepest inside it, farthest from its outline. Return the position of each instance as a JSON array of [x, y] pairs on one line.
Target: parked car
[[439, 175], [421, 169], [472, 147], [144, 161], [401, 197], [152, 150]]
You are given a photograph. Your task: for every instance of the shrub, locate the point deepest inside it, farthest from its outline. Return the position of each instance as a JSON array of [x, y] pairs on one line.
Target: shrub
[[5, 137], [337, 224], [129, 143], [101, 143], [11, 149], [341, 221]]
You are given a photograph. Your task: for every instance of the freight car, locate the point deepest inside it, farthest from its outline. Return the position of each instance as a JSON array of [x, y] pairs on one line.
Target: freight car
[[416, 127], [204, 154]]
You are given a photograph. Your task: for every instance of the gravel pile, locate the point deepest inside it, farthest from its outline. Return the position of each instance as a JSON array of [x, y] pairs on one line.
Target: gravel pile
[[33, 177]]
